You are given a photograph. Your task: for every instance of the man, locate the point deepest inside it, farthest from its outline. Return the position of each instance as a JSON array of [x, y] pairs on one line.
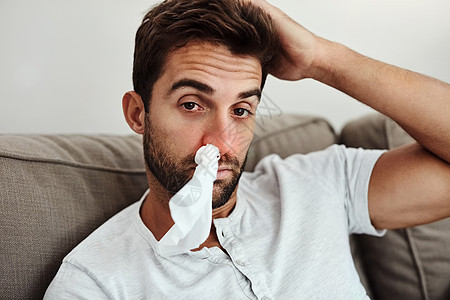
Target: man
[[282, 231]]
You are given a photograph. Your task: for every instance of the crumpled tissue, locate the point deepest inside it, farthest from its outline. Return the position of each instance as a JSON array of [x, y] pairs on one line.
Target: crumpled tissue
[[191, 206]]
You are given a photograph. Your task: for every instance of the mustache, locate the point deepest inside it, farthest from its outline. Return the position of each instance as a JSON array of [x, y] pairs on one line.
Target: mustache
[[225, 159], [229, 160]]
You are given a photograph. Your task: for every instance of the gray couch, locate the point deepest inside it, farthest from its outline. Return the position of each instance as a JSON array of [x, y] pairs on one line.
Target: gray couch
[[56, 189]]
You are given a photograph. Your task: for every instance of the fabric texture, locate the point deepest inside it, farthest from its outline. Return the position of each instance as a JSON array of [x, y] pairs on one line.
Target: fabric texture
[[286, 238], [288, 134], [56, 189], [406, 264]]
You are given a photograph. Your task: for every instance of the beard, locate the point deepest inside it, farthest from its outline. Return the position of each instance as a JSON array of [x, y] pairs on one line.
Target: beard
[[173, 172]]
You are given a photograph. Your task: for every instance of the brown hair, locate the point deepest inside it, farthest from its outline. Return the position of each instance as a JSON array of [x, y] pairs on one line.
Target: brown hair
[[240, 26]]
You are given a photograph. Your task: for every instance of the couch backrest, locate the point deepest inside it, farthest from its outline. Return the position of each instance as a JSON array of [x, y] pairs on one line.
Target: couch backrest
[[56, 189]]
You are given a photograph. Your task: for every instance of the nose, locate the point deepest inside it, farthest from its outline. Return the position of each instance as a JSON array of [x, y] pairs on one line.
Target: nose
[[221, 132]]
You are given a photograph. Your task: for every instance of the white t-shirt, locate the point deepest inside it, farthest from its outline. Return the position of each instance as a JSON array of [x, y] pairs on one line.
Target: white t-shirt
[[287, 238]]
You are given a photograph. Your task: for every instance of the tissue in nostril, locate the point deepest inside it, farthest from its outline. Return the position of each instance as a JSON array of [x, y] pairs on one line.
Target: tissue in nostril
[[207, 155], [191, 207]]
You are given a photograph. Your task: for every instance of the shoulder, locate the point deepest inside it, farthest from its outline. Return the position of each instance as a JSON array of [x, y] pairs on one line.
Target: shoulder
[[109, 241], [86, 271], [332, 167], [107, 260], [334, 154], [329, 157]]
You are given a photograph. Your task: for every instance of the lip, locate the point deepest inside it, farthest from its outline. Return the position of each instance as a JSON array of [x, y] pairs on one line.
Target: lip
[[223, 172]]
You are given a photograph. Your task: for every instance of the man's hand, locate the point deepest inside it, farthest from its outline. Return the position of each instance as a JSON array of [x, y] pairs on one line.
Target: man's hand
[[298, 45]]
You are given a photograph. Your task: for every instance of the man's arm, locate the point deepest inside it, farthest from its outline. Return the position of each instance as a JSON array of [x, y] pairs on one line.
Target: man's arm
[[409, 185]]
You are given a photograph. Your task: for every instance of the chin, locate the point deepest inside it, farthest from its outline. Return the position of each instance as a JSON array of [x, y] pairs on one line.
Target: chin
[[221, 196]]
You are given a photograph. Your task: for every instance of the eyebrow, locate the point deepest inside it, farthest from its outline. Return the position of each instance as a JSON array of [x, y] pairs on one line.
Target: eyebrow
[[204, 88], [251, 93]]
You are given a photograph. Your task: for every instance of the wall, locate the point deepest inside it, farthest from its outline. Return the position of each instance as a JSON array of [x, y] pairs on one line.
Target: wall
[[65, 65]]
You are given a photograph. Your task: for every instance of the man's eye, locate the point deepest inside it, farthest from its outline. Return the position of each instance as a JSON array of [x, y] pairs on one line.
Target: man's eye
[[241, 112], [190, 105]]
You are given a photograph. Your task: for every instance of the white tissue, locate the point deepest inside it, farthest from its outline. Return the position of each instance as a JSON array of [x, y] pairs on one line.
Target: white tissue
[[191, 207]]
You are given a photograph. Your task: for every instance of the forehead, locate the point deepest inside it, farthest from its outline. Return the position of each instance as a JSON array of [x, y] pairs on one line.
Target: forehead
[[205, 59]]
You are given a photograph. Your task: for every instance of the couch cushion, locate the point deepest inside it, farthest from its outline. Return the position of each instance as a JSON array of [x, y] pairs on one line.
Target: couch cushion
[[288, 134], [411, 263], [56, 189]]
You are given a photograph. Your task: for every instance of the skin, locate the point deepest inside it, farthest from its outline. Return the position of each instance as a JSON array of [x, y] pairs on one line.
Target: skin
[[206, 95]]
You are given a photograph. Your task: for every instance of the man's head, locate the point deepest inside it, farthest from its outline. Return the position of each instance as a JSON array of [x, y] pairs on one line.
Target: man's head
[[243, 28], [198, 73]]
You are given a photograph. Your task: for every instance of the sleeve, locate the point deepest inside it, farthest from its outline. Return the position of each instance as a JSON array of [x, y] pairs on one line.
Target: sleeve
[[345, 172], [72, 282], [358, 167]]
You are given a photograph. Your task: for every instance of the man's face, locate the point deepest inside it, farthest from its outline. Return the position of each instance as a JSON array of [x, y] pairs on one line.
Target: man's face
[[205, 95]]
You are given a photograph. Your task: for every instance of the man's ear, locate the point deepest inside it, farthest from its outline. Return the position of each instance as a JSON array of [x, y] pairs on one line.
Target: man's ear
[[134, 112]]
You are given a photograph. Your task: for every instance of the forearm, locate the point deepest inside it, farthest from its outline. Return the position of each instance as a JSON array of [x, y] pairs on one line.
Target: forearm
[[420, 104]]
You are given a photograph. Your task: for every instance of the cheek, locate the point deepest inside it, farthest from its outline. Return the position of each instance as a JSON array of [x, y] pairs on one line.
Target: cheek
[[247, 140], [182, 139], [240, 138]]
